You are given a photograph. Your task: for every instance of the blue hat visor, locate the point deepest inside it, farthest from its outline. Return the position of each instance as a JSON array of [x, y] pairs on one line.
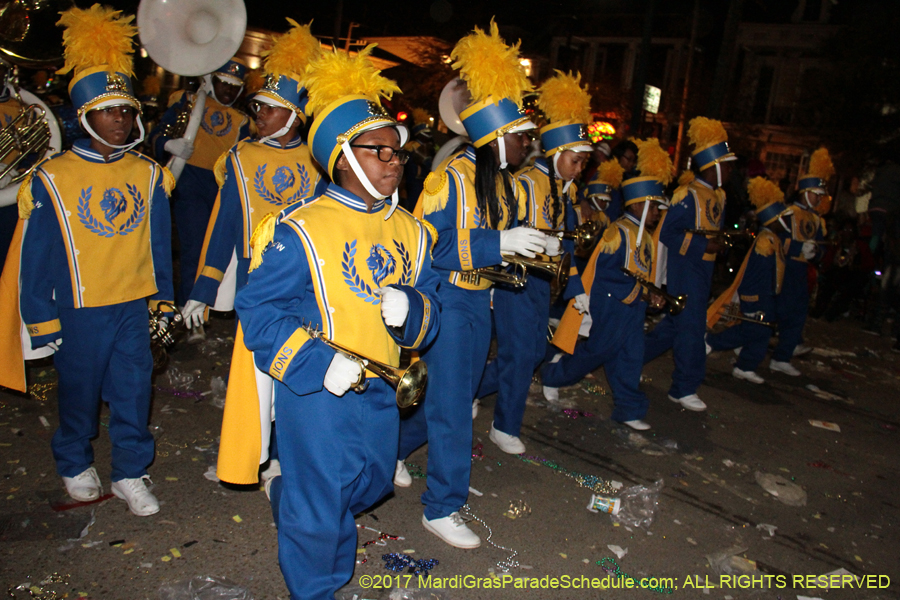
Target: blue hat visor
[[100, 88], [640, 189], [811, 184], [771, 212], [713, 154], [599, 189], [565, 136], [485, 121], [232, 72]]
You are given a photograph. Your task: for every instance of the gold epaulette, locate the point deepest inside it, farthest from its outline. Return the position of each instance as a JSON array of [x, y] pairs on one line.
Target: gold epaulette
[[261, 238], [436, 192], [680, 193], [766, 244], [432, 231], [168, 181], [219, 169], [686, 178], [611, 240], [24, 197]]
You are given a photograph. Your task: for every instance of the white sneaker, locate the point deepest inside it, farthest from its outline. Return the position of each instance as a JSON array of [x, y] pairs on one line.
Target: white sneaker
[[737, 351], [551, 394], [268, 486], [453, 530], [692, 402], [708, 348], [402, 477], [508, 443], [197, 335], [475, 404], [133, 491], [800, 350], [273, 470], [784, 367], [84, 487], [750, 376], [637, 425]]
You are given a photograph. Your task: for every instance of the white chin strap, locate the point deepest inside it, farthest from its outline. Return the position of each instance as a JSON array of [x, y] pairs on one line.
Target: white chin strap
[[567, 182], [212, 92], [282, 131], [93, 134], [640, 235], [363, 179], [719, 174], [783, 224], [502, 146]]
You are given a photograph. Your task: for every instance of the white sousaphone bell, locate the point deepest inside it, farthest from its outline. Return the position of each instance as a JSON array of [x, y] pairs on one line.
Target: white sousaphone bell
[[454, 99], [191, 38]]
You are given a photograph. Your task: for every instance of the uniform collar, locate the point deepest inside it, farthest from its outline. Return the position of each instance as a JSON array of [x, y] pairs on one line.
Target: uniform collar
[[632, 218], [290, 145], [82, 147], [703, 183], [351, 200]]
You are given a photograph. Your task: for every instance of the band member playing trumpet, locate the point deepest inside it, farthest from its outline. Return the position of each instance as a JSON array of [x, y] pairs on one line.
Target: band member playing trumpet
[[96, 248], [358, 270], [697, 204], [221, 128], [755, 287], [521, 315], [472, 203], [616, 304]]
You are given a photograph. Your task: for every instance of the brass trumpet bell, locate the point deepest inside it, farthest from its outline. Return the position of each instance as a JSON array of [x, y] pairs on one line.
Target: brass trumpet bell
[[674, 304], [733, 313], [585, 236]]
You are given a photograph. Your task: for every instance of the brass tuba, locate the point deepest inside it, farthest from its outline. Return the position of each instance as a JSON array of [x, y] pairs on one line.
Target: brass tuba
[[674, 304], [410, 382], [585, 236]]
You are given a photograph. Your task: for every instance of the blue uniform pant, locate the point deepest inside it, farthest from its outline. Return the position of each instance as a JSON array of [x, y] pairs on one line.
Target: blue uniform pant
[[793, 306], [684, 333], [105, 355], [192, 203], [616, 343], [455, 362], [337, 459], [751, 338], [520, 320]]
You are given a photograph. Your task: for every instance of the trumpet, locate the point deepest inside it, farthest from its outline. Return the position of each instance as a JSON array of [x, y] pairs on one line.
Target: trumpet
[[558, 272], [585, 236], [675, 304], [726, 237], [410, 382], [161, 332], [28, 133], [733, 313]]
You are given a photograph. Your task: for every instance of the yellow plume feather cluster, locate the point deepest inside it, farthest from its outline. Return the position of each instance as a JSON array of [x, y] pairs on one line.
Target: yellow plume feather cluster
[[420, 116], [820, 164], [763, 192], [151, 86], [292, 51], [686, 178], [97, 36], [490, 67], [705, 132], [336, 74], [610, 173], [653, 161], [254, 82], [563, 99]]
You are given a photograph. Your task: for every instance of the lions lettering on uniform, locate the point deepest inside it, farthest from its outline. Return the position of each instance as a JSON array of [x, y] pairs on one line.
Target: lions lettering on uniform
[[281, 361], [381, 264], [113, 204], [219, 123], [283, 182]]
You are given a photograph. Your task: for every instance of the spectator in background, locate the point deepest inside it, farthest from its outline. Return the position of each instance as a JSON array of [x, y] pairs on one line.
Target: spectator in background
[[846, 269]]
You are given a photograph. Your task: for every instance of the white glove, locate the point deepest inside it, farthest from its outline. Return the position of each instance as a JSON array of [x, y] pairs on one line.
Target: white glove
[[394, 306], [55, 345], [582, 303], [554, 246], [808, 251], [193, 313], [180, 147], [5, 181], [343, 373], [522, 240]]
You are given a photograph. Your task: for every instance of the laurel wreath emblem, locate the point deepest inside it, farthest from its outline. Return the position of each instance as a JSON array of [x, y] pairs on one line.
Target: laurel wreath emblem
[[94, 225], [223, 131], [545, 212], [407, 263], [352, 278], [479, 220], [259, 184]]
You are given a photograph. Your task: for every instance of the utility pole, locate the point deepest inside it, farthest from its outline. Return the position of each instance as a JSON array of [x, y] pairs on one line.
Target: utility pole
[[338, 17], [640, 80], [682, 115], [724, 66]]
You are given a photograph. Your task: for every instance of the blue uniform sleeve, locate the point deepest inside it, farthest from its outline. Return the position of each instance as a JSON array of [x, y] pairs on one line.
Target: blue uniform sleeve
[[462, 249], [681, 216], [161, 244], [244, 131], [168, 118], [423, 321], [276, 301], [610, 280], [42, 253], [223, 238]]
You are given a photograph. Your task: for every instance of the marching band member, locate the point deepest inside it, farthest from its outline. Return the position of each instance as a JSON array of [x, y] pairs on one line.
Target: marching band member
[[597, 195], [755, 287], [625, 153], [616, 304], [258, 177], [221, 128], [472, 203], [347, 263], [803, 230], [521, 315], [697, 204], [96, 247]]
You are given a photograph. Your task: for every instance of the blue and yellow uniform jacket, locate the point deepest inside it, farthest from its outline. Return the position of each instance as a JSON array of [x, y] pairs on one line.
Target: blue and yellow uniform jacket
[[254, 180], [221, 128], [804, 225], [604, 277], [326, 260], [99, 233], [466, 240], [539, 212]]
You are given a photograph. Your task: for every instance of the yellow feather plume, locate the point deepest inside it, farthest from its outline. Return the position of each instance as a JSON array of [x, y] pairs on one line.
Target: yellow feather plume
[[336, 74], [150, 86], [563, 99], [292, 51], [820, 164], [705, 132], [490, 67], [686, 178], [653, 161], [610, 173], [254, 82], [763, 192], [97, 36], [420, 116]]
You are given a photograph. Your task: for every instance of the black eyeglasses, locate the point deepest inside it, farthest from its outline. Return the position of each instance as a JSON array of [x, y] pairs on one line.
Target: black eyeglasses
[[385, 153]]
